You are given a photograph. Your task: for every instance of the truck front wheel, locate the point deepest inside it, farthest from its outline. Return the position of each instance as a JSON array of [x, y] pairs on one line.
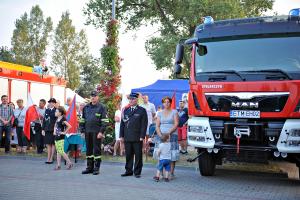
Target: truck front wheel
[[207, 164]]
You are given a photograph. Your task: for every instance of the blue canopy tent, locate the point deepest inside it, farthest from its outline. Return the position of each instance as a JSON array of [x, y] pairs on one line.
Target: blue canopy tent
[[162, 88]]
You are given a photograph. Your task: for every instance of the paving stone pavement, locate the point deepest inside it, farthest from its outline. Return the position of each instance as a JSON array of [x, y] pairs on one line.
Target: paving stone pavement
[[29, 178]]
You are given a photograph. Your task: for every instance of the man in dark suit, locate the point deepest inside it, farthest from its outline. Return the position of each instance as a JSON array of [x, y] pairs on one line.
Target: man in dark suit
[[132, 131]]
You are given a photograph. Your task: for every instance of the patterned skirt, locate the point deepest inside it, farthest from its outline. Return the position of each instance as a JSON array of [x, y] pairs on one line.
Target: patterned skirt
[[174, 147]]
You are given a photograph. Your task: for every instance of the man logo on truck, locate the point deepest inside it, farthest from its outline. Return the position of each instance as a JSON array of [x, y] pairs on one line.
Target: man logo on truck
[[244, 104]]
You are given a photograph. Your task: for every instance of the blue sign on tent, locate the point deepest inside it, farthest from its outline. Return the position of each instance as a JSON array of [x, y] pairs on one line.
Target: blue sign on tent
[[162, 88]]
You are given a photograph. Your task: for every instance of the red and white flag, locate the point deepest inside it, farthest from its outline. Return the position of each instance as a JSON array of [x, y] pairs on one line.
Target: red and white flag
[[31, 115], [173, 105], [72, 116]]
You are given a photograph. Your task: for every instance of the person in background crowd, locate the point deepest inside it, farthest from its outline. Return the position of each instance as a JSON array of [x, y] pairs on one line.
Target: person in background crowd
[[57, 104], [133, 131], [79, 111], [48, 128], [164, 155], [68, 103], [118, 143], [151, 112], [61, 128], [14, 138], [158, 110], [6, 114], [38, 126], [93, 123], [182, 127], [166, 124], [19, 115], [140, 98], [12, 105]]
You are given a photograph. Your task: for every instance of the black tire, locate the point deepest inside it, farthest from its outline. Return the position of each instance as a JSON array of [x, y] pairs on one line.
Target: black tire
[[207, 164]]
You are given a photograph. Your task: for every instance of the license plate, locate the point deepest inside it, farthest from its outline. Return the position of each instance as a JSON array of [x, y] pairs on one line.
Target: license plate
[[244, 114]]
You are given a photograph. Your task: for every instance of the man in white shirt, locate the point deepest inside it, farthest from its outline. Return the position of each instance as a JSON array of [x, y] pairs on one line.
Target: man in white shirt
[[150, 108], [151, 112]]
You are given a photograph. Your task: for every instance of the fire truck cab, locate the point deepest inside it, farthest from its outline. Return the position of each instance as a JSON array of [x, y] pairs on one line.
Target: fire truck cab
[[244, 98]]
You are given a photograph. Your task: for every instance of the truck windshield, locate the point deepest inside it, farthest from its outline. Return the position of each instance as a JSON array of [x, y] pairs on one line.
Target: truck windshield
[[250, 55]]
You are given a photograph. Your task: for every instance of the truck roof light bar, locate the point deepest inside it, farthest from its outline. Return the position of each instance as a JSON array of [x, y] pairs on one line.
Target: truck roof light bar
[[295, 12], [208, 20]]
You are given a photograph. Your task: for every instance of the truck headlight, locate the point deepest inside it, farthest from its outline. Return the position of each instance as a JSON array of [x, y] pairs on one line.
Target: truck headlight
[[197, 138], [196, 129], [293, 138], [295, 132]]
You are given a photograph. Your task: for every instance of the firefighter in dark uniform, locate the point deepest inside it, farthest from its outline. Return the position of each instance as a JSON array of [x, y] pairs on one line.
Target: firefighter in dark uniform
[[93, 124], [132, 131]]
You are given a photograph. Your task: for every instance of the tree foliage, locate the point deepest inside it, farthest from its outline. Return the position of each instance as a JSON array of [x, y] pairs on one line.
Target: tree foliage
[[89, 76], [31, 37], [6, 54], [70, 52], [110, 78], [175, 18]]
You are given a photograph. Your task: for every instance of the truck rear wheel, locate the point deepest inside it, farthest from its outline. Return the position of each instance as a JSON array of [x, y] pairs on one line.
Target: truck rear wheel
[[207, 164]]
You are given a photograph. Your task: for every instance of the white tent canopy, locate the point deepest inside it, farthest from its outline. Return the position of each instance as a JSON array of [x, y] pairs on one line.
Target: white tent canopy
[[70, 93]]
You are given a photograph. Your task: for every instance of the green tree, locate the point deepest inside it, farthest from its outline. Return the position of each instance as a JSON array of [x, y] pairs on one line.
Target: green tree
[[175, 19], [31, 37], [21, 41], [89, 76], [39, 34], [6, 54], [70, 51]]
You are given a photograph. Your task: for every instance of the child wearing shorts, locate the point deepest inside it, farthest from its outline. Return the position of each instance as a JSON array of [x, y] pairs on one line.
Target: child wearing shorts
[[164, 155], [60, 129]]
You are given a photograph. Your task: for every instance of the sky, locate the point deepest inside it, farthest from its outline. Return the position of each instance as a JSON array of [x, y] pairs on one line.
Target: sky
[[137, 68]]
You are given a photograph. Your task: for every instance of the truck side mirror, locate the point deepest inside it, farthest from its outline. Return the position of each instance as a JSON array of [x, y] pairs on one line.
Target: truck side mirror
[[179, 54], [178, 58], [177, 69]]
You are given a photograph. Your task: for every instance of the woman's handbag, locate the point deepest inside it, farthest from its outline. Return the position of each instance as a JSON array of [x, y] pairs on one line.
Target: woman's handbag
[[16, 120]]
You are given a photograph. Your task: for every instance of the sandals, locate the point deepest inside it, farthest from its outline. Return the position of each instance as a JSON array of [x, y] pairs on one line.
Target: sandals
[[156, 178], [70, 165], [57, 168]]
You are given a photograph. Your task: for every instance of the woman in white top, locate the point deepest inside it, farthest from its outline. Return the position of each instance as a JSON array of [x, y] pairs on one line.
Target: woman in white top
[[118, 143], [19, 115], [166, 124]]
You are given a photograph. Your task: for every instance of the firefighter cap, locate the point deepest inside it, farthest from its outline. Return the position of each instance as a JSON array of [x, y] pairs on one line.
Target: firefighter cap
[[134, 95], [53, 100]]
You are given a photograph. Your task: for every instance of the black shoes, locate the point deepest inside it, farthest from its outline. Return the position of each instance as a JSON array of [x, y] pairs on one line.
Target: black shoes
[[126, 174], [88, 171], [96, 172], [49, 162], [137, 176], [131, 174]]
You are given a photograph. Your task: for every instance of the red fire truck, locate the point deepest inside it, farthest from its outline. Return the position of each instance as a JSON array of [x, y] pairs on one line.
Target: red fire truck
[[244, 98]]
